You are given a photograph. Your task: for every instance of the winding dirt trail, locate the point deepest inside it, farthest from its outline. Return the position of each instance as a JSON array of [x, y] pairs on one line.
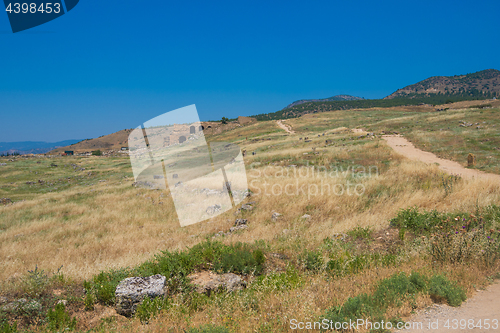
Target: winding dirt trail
[[285, 127], [483, 308], [484, 305], [407, 149]]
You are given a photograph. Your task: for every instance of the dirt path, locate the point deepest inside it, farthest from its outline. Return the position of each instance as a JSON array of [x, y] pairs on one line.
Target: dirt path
[[285, 127], [406, 148], [485, 304], [484, 307]]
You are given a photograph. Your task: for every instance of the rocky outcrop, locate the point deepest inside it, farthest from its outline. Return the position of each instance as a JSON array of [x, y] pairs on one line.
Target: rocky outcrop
[[208, 282], [131, 291], [5, 201]]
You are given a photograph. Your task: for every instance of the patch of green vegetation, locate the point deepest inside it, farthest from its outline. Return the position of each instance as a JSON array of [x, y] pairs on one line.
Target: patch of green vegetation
[[237, 258], [392, 292], [5, 327], [442, 288], [58, 320], [360, 233], [275, 281]]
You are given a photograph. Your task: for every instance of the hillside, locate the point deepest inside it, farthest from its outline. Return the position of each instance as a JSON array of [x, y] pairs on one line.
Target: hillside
[[334, 223], [485, 83], [105, 142], [330, 99], [115, 141]]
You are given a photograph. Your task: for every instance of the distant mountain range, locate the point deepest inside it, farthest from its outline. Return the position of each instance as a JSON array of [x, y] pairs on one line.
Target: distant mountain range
[[484, 83], [435, 90], [32, 147], [330, 99]]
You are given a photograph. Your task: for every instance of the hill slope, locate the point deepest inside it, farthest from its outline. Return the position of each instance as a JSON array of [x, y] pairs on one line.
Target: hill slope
[[484, 83], [330, 99]]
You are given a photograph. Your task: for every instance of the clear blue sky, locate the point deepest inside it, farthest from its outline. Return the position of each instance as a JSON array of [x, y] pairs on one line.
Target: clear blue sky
[[110, 65]]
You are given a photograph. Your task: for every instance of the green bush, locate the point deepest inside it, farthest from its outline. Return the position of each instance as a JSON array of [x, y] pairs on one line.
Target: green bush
[[5, 327], [411, 219], [96, 153], [102, 287], [240, 259], [278, 281], [391, 292], [360, 233], [312, 261], [35, 283], [58, 320], [208, 329], [149, 308], [442, 288]]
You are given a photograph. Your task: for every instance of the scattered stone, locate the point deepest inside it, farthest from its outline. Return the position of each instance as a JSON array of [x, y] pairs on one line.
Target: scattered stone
[[3, 300], [213, 209], [240, 222], [275, 216], [131, 291], [246, 207], [144, 184], [240, 227], [340, 237], [471, 160], [3, 164], [305, 216], [279, 256], [5, 201], [208, 282], [16, 305], [157, 177]]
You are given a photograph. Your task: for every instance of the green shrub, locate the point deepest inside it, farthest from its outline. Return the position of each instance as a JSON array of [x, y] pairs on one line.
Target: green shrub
[[102, 287], [360, 233], [411, 219], [389, 292], [312, 261], [442, 288], [5, 327], [35, 283], [208, 329], [149, 308], [58, 320], [239, 259], [96, 153], [278, 281]]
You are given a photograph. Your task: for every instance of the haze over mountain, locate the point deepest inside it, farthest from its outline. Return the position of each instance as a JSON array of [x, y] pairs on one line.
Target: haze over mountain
[[32, 147]]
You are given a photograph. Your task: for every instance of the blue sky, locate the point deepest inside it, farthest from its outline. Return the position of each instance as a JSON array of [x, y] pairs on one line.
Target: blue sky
[[110, 65]]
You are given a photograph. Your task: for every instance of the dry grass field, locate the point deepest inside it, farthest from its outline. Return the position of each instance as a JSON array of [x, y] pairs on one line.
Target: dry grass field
[[85, 216]]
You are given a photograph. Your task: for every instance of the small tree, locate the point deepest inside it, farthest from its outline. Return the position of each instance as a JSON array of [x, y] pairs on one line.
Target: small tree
[[97, 153], [225, 120]]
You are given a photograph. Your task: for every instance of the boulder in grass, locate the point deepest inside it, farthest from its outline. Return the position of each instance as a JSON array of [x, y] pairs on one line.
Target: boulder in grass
[[275, 216], [131, 292]]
